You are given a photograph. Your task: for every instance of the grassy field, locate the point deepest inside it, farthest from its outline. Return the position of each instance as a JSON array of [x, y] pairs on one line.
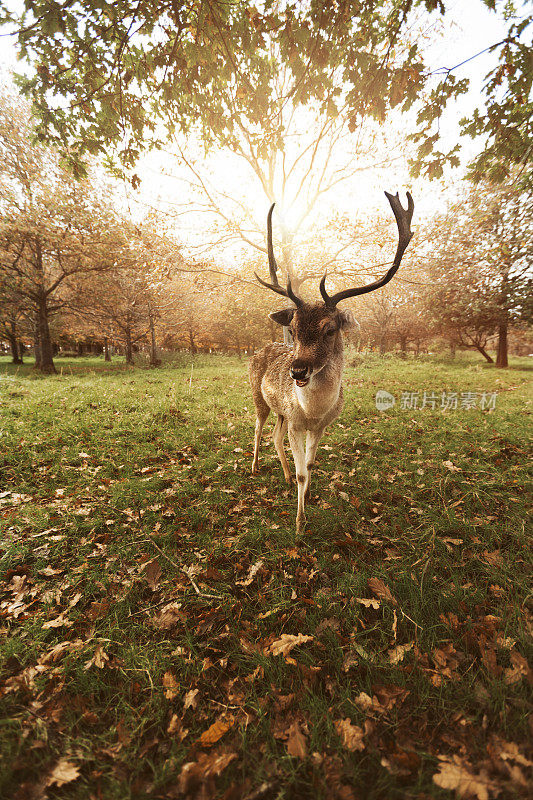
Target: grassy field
[[165, 634]]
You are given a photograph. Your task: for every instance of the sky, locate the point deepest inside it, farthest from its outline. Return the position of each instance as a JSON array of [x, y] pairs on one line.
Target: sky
[[469, 28]]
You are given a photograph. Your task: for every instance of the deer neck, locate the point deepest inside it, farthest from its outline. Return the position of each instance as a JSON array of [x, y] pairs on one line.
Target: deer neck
[[323, 389]]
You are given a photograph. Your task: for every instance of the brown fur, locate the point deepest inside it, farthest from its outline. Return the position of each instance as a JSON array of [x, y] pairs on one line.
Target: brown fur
[[303, 411]]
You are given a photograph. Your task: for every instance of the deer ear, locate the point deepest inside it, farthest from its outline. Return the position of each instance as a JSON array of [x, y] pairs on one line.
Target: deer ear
[[346, 320], [283, 317]]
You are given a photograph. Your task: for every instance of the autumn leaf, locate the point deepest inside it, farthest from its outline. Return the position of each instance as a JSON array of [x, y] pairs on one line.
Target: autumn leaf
[[296, 743], [171, 685], [351, 735], [215, 731], [286, 643], [252, 572], [368, 602], [191, 699], [99, 659], [380, 589], [397, 653], [151, 574], [198, 772], [455, 774], [63, 772]]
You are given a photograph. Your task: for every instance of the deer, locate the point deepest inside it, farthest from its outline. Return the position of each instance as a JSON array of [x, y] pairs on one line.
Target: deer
[[302, 384]]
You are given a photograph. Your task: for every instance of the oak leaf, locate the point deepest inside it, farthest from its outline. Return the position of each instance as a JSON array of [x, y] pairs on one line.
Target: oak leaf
[[286, 643], [171, 685], [151, 574], [63, 772], [456, 775], [296, 743], [351, 735]]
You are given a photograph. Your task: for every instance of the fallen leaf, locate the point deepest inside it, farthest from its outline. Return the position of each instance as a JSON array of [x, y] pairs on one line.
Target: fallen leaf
[[215, 731], [99, 659], [252, 572], [168, 617], [286, 643], [454, 773], [519, 669], [151, 574], [63, 772], [296, 743], [451, 467], [368, 602], [351, 735], [191, 699], [171, 685], [397, 653], [207, 767], [380, 589]]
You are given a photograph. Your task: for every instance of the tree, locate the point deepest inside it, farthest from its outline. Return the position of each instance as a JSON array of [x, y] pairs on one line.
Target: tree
[[132, 73], [505, 122], [53, 228], [481, 264]]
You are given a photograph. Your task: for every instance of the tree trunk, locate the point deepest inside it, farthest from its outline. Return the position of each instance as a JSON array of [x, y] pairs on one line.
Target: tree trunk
[[484, 353], [21, 352], [13, 343], [453, 348], [129, 347], [403, 345], [37, 345], [154, 360], [46, 362], [502, 357], [107, 356], [383, 345], [193, 348]]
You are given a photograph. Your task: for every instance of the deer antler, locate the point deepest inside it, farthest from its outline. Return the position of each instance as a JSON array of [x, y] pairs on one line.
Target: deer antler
[[273, 268], [403, 220]]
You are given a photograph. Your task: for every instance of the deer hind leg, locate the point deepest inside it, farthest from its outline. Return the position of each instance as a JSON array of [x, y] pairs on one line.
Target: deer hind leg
[[311, 444], [262, 414], [297, 442], [280, 429]]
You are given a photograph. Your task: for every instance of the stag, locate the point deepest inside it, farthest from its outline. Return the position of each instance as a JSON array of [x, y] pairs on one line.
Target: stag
[[303, 384]]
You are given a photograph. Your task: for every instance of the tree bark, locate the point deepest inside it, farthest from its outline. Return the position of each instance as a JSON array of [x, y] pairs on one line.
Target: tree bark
[[107, 356], [453, 348], [484, 353], [154, 360], [13, 343], [193, 348], [129, 346], [46, 361], [502, 356], [37, 344]]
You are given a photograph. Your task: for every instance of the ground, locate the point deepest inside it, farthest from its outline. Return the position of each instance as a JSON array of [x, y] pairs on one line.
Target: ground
[[165, 634]]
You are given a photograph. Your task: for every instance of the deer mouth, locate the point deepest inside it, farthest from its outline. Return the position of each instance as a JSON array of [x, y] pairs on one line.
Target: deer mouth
[[303, 382]]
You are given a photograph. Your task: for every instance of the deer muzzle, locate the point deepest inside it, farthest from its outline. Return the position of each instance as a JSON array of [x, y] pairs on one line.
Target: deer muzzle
[[300, 372]]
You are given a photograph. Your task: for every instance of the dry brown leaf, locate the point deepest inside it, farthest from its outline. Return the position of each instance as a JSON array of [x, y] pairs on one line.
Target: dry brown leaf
[[215, 731], [61, 621], [368, 602], [519, 669], [397, 653], [191, 699], [455, 774], [168, 617], [171, 685], [99, 659], [252, 572], [380, 589], [286, 643], [151, 574], [201, 771], [296, 743], [63, 772], [175, 728], [351, 735]]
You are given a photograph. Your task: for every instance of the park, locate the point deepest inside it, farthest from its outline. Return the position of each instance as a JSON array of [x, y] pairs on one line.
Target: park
[[265, 400]]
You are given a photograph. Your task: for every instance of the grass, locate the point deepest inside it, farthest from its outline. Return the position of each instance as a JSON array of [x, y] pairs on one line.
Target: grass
[[145, 576]]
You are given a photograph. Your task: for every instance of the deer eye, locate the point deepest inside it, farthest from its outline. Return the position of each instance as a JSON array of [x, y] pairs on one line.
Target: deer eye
[[331, 332]]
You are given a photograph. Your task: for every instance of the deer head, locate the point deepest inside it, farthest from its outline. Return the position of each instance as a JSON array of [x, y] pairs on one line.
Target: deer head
[[316, 329]]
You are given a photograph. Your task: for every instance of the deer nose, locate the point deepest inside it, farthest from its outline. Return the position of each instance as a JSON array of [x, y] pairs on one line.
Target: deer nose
[[300, 370]]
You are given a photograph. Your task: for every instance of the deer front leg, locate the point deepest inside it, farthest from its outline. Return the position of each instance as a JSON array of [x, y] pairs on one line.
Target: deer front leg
[[297, 443], [259, 425], [311, 444], [278, 436]]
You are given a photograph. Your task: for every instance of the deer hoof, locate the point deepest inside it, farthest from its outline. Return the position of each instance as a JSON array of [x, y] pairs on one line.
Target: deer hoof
[[300, 525]]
